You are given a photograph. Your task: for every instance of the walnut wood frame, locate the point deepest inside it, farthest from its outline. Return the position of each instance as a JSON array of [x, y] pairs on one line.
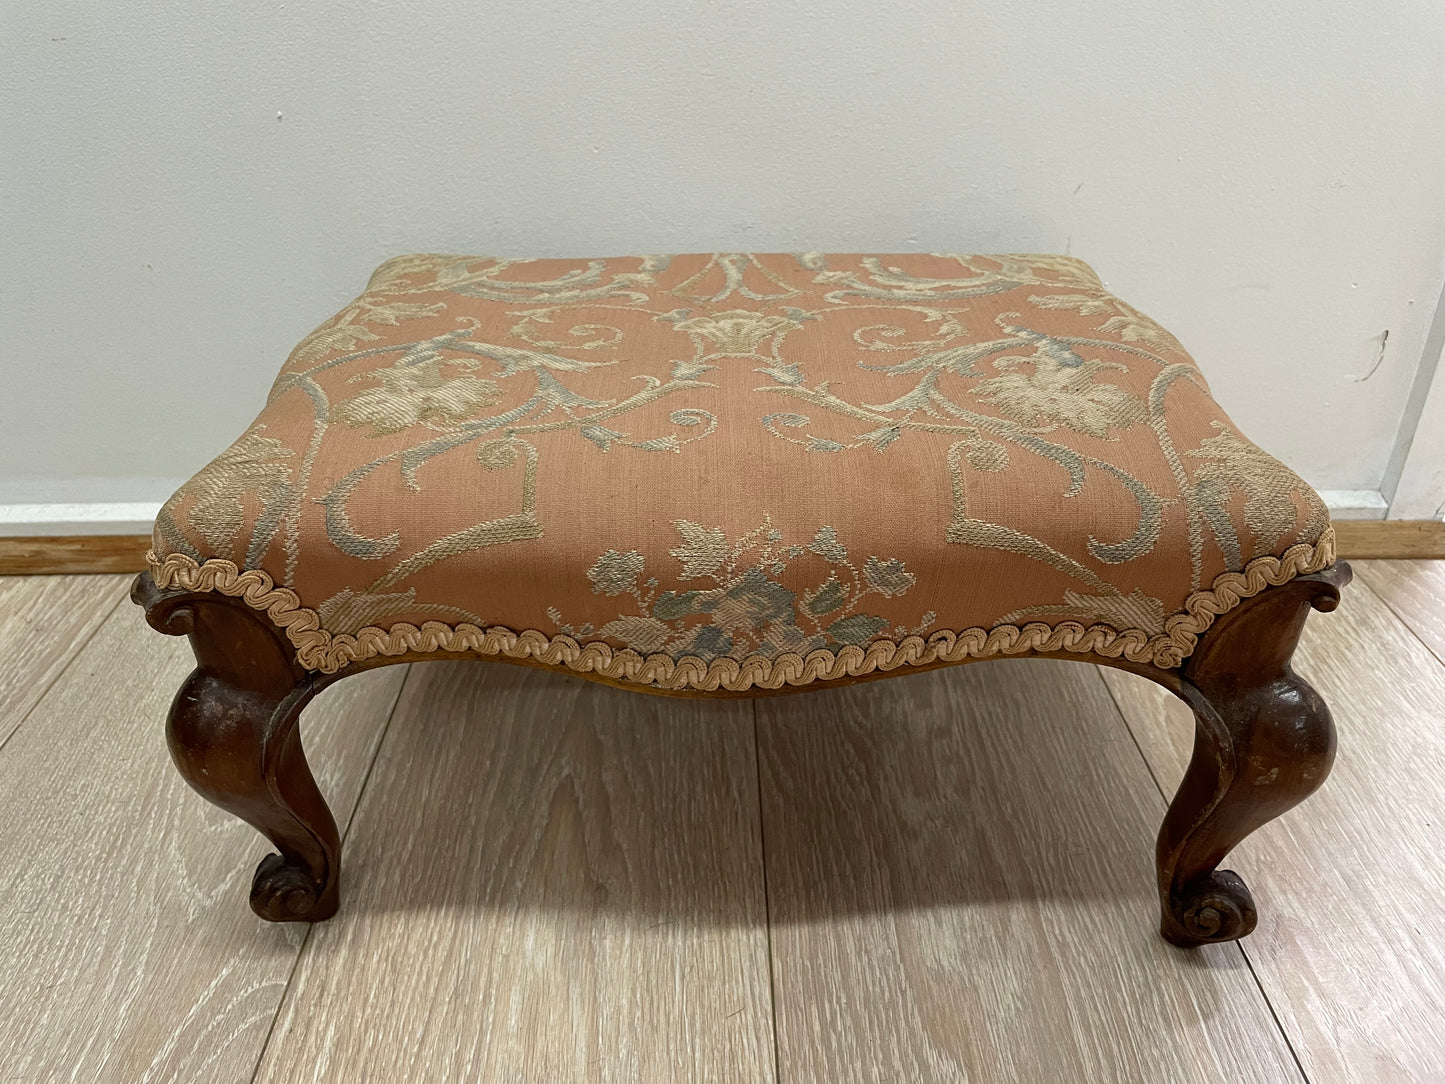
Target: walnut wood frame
[[1263, 742]]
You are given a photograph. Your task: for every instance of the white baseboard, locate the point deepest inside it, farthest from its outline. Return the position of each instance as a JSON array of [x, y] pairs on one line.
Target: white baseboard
[[1354, 503], [29, 520]]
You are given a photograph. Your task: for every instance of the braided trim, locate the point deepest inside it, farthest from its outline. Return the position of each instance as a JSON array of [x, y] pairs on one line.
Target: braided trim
[[317, 649]]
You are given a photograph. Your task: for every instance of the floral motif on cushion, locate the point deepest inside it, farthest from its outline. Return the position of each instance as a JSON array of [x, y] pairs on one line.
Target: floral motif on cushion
[[742, 460]]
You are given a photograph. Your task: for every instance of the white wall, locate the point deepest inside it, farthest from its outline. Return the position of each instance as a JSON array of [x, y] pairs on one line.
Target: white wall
[[1415, 477], [186, 189]]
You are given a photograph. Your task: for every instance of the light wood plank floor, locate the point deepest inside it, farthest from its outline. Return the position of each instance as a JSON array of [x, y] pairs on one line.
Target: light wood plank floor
[[944, 877]]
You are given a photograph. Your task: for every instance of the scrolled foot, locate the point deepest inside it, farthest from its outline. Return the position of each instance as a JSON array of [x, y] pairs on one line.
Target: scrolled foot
[[283, 891], [1216, 907]]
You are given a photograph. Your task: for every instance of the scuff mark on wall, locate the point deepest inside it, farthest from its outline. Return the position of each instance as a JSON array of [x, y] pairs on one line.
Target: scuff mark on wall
[[1385, 338]]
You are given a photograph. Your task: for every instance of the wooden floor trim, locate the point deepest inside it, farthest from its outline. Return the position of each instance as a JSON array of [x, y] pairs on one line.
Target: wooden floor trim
[[47, 555], [1389, 539]]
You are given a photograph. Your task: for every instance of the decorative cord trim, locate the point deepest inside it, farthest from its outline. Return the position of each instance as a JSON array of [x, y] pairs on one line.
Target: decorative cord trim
[[317, 649]]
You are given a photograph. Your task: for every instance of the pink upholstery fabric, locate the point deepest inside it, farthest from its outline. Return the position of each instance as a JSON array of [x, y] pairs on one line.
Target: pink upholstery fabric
[[724, 464]]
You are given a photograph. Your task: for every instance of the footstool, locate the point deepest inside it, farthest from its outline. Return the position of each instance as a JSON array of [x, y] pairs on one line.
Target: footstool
[[737, 474]]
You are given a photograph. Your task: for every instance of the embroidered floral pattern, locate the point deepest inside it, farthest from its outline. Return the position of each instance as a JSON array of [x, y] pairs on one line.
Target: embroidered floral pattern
[[1235, 464], [997, 438], [417, 394], [742, 609], [1042, 389], [255, 467], [1041, 382]]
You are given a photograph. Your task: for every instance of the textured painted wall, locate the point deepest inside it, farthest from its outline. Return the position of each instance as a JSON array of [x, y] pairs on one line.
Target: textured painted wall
[[186, 189]]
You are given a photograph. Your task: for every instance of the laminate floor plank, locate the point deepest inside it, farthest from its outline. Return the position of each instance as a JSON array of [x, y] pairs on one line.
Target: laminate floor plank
[[961, 888], [1415, 590], [127, 951], [1350, 884], [551, 881], [44, 621]]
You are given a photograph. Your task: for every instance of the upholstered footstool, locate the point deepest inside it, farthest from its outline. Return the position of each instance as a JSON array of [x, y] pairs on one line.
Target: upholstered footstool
[[734, 475]]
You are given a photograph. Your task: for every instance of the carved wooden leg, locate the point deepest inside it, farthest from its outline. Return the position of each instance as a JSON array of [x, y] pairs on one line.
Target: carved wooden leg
[[232, 733], [1264, 741]]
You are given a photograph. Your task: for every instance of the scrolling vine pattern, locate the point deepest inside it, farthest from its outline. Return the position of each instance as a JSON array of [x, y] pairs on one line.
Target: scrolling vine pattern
[[1024, 388]]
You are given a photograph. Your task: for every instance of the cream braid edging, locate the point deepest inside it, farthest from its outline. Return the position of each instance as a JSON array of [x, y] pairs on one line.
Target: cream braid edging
[[317, 649]]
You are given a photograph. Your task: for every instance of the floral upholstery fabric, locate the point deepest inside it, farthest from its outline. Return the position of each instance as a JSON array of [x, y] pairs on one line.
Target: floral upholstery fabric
[[718, 471]]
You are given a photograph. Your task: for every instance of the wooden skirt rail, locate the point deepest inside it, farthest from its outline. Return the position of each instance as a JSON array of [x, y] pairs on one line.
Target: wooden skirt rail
[[1357, 540]]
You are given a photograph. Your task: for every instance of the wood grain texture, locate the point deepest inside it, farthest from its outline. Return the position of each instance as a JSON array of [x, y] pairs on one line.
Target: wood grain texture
[[549, 881], [1358, 539], [1351, 884], [1415, 591], [128, 954], [961, 888], [73, 554], [44, 621]]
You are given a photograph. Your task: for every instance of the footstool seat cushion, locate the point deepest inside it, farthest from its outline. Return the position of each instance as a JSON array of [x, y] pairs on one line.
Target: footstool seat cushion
[[731, 472]]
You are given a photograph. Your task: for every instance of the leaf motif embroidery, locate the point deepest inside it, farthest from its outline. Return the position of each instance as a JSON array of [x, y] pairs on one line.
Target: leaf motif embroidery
[[644, 634], [613, 572], [703, 551], [888, 578], [747, 610], [254, 464], [1130, 325], [1235, 464]]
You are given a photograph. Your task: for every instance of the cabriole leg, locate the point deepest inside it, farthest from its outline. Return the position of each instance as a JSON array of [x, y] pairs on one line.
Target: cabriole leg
[[233, 735], [1264, 742]]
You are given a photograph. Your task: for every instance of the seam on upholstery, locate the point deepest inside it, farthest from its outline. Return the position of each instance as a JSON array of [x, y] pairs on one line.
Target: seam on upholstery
[[317, 649]]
